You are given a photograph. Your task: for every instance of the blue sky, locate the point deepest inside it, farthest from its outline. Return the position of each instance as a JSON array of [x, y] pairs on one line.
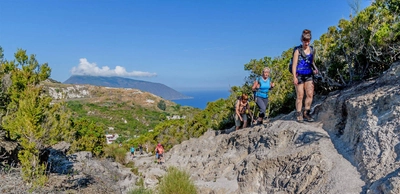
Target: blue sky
[[184, 44]]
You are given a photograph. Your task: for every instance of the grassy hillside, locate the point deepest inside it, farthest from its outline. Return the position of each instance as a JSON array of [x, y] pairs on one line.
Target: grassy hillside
[[128, 112]]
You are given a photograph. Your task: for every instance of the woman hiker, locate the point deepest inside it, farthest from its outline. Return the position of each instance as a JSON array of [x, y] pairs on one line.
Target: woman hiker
[[262, 86], [303, 77]]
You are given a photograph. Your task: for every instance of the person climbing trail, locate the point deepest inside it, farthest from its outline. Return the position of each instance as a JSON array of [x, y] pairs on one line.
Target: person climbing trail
[[261, 87]]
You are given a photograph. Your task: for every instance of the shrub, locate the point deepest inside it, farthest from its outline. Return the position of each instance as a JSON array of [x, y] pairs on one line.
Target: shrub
[[120, 155], [176, 181], [161, 105], [89, 136], [115, 152], [141, 190]]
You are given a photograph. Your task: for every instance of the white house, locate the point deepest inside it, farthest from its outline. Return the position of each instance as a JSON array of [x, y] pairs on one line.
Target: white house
[[111, 138]]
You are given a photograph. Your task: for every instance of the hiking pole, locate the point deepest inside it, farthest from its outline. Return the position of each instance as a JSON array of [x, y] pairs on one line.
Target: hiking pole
[[254, 109]]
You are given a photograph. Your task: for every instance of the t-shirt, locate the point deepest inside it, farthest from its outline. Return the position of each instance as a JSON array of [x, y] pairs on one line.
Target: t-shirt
[[132, 149], [160, 150]]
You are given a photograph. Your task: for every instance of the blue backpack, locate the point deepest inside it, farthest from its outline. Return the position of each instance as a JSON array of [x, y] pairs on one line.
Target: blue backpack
[[302, 55]]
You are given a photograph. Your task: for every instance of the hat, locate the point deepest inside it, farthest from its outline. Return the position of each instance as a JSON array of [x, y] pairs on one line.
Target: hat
[[159, 144]]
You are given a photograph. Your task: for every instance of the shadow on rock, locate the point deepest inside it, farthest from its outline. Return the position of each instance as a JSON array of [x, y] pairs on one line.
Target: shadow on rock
[[308, 138]]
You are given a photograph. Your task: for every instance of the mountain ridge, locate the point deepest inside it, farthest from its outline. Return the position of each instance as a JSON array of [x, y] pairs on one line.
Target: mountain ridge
[[119, 82]]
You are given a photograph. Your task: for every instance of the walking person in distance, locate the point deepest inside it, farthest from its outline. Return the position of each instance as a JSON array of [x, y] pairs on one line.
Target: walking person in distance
[[133, 151], [160, 153]]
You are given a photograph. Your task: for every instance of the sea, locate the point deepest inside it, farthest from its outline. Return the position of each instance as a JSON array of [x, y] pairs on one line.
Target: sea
[[201, 98]]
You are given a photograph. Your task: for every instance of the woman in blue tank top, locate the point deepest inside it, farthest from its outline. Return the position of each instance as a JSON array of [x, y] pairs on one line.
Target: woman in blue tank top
[[303, 78], [262, 86]]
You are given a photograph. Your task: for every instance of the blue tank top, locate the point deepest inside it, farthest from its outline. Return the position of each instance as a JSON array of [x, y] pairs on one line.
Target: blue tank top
[[265, 85], [304, 66]]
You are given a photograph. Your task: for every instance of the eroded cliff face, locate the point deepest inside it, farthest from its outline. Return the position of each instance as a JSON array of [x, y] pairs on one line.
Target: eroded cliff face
[[366, 121], [353, 147]]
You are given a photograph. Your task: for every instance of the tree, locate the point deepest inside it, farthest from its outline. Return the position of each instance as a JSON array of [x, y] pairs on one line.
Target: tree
[[161, 105], [29, 115], [88, 136], [355, 5]]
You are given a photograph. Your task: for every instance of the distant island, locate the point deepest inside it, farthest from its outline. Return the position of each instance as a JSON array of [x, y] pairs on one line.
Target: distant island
[[120, 82]]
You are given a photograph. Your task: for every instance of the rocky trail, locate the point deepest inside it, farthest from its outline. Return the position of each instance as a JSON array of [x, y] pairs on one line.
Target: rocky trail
[[281, 157]]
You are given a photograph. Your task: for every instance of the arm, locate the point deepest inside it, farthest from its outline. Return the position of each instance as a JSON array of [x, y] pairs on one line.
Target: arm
[[294, 66], [256, 85], [237, 110]]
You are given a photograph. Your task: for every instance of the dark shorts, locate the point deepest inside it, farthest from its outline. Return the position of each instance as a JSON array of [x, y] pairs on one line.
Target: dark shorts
[[160, 156], [304, 78], [237, 119]]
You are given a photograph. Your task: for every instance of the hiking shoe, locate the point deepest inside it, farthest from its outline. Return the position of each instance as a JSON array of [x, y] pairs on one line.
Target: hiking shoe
[[299, 117], [259, 123], [307, 116]]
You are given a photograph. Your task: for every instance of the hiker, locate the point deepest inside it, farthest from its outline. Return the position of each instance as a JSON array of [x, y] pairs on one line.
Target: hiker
[[141, 149], [242, 106], [160, 153], [133, 152], [303, 77], [261, 88]]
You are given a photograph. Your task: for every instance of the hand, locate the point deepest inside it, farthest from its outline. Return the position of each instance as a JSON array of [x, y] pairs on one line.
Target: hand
[[315, 71], [272, 84], [295, 81]]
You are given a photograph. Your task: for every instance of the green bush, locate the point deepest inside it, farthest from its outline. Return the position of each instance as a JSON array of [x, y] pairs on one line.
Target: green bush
[[115, 152], [161, 105], [141, 190], [120, 155], [89, 136], [176, 181]]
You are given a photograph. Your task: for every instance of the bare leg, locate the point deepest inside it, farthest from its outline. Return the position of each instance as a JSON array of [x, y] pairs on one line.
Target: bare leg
[[309, 87], [299, 96]]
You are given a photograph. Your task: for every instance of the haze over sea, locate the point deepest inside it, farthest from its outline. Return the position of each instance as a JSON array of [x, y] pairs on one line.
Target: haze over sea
[[201, 98]]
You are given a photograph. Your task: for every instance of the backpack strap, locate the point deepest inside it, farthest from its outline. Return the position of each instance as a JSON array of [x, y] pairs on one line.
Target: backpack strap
[[301, 51], [258, 81]]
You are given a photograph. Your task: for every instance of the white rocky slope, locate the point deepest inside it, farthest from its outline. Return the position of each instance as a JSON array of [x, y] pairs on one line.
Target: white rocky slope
[[353, 147]]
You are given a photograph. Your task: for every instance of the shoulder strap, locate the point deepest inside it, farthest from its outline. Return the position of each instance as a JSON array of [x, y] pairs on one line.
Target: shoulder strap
[[302, 53], [258, 80]]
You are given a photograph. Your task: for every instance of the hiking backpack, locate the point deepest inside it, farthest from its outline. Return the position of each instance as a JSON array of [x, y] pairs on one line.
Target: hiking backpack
[[302, 54]]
